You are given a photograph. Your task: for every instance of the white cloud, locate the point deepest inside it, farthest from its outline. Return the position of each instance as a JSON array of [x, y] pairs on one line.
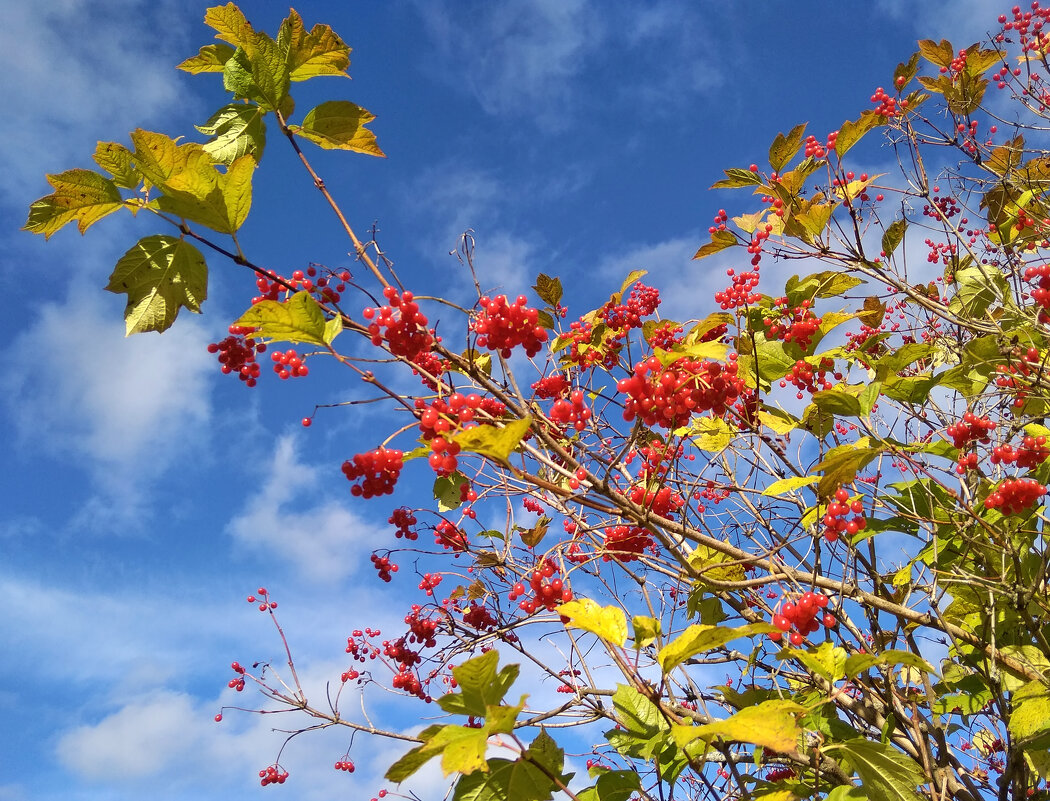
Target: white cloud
[[82, 71], [125, 408], [324, 542], [963, 22]]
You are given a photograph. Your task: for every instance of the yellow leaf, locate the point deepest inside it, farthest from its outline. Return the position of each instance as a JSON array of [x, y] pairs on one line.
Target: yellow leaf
[[608, 622], [771, 725]]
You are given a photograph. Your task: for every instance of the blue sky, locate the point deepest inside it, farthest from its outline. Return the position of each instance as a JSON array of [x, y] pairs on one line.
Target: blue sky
[[145, 494]]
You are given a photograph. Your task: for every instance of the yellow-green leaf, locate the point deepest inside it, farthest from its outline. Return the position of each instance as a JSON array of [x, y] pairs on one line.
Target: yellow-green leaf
[[826, 660], [319, 52], [211, 58], [159, 275], [720, 240], [81, 195], [608, 622], [697, 639], [885, 773], [298, 319], [494, 441], [711, 434], [117, 160], [229, 24], [235, 130], [771, 725], [786, 485], [340, 125], [646, 630], [236, 186]]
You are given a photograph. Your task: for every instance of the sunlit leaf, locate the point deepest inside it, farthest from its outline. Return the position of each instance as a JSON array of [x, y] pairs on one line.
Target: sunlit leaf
[[771, 725], [298, 319], [160, 275], [211, 58], [608, 622], [80, 195], [886, 774], [340, 125], [319, 52], [235, 130], [496, 442]]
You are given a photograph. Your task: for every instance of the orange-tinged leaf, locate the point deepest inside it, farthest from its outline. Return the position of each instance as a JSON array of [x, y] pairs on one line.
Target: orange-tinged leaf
[[340, 125], [319, 52], [211, 58], [81, 195], [720, 240], [229, 24]]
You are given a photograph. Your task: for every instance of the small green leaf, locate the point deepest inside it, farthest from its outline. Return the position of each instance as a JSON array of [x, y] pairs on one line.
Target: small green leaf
[[771, 725], [826, 660], [837, 402], [784, 148], [480, 685], [159, 274], [736, 177], [492, 441], [235, 130], [339, 125], [257, 71], [332, 329], [893, 236], [298, 319], [697, 639], [608, 622], [786, 485], [211, 58], [309, 55], [646, 630], [841, 465], [548, 289], [505, 780], [720, 240], [81, 195], [711, 434], [851, 132], [448, 491]]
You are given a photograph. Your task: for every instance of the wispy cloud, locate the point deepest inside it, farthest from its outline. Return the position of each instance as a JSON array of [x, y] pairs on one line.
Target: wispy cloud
[[323, 540], [961, 21]]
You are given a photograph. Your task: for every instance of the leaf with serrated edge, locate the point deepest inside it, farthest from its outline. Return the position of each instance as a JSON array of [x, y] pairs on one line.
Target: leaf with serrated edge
[[697, 639], [211, 58], [505, 780], [298, 319], [340, 125], [771, 725], [81, 195], [608, 622], [229, 23], [116, 159], [235, 130], [319, 52], [493, 441], [160, 274], [786, 485], [886, 774], [480, 685]]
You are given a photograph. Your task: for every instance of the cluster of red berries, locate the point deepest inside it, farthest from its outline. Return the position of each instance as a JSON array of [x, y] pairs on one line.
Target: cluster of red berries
[[345, 764], [1011, 377], [300, 280], [289, 364], [1015, 496], [585, 349], [265, 604], [944, 207], [503, 326], [663, 502], [970, 428], [720, 222], [780, 774], [401, 324], [479, 617], [238, 682], [378, 470], [383, 566], [835, 519], [236, 354], [1040, 273], [742, 289], [626, 543], [886, 105], [669, 396], [548, 588], [449, 537], [1028, 25], [642, 301], [797, 324], [813, 148], [552, 386], [429, 582], [403, 519], [572, 412], [532, 505], [273, 775], [666, 335], [1033, 452], [805, 378], [802, 617]]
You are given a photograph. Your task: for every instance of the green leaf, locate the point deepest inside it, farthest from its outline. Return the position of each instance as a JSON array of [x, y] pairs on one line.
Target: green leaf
[[257, 71], [159, 274], [893, 236], [885, 773], [480, 685], [851, 132], [236, 129], [636, 713], [332, 329], [298, 319], [548, 289], [784, 148], [711, 434], [505, 780], [448, 491], [841, 465], [416, 758], [211, 58], [612, 785], [309, 55], [736, 177], [826, 660], [81, 195], [339, 125], [940, 54], [546, 753], [608, 622], [837, 402], [771, 725], [786, 485], [117, 160], [908, 659], [493, 441], [860, 663], [646, 630], [697, 639], [229, 24], [720, 240]]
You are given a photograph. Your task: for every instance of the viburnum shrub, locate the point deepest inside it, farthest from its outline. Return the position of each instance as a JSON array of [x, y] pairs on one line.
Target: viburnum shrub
[[792, 547]]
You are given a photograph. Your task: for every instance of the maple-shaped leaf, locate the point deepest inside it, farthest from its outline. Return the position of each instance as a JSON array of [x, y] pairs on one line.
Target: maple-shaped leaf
[[319, 52], [159, 274], [81, 195]]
